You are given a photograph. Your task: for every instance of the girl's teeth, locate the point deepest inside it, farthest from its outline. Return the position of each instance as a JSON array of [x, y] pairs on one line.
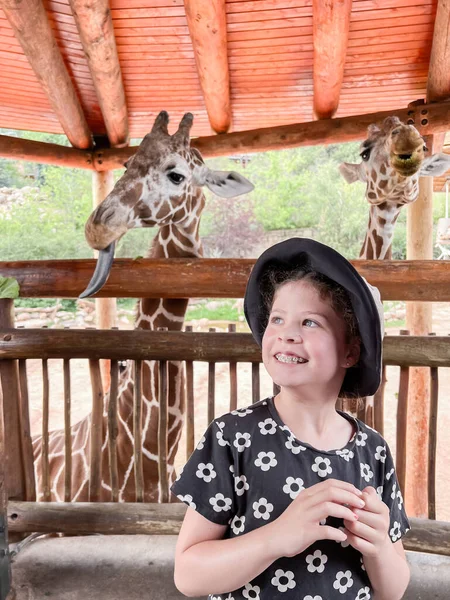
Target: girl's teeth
[[289, 359]]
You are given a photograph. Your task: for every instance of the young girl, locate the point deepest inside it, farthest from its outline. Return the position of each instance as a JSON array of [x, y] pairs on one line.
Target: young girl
[[290, 498]]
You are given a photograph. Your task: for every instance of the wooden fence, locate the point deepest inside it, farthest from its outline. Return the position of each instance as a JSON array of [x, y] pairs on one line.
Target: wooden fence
[[189, 347]]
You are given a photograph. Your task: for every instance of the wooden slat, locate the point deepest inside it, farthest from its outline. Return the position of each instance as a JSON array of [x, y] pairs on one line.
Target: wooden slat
[[379, 403], [27, 446], [67, 433], [190, 407], [211, 387], [402, 423], [45, 435], [427, 280], [163, 431], [207, 24], [5, 563], [113, 431], [137, 432], [432, 441], [331, 23], [233, 376], [165, 519], [31, 27], [96, 31], [417, 351], [256, 394], [9, 377], [96, 433]]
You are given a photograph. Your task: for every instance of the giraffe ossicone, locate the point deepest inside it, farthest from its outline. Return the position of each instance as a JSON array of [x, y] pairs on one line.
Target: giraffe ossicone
[[393, 157], [162, 186]]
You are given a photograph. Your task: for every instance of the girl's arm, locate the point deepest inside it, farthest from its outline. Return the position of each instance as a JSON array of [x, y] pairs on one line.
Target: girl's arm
[[388, 572], [207, 564]]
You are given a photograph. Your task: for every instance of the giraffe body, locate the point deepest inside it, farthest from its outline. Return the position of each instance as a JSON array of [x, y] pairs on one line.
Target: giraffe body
[[162, 186]]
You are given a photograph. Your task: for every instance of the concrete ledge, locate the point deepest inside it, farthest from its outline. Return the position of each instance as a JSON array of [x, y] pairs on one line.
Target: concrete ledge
[[137, 567]]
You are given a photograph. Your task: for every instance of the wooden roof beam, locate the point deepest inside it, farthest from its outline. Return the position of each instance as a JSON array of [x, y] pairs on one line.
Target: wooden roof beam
[[96, 31], [331, 25], [42, 152], [438, 84], [32, 29], [208, 30]]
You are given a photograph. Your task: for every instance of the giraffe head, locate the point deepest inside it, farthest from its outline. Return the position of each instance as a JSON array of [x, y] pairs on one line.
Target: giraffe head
[[393, 158], [161, 186]]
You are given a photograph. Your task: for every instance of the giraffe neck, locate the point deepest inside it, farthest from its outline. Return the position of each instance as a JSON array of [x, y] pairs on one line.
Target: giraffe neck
[[380, 231]]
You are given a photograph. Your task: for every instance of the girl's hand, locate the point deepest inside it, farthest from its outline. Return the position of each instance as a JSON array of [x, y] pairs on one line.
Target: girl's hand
[[299, 526], [369, 534]]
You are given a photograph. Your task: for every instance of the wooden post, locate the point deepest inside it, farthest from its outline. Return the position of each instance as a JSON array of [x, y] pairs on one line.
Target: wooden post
[[105, 308], [5, 569], [418, 322], [9, 375]]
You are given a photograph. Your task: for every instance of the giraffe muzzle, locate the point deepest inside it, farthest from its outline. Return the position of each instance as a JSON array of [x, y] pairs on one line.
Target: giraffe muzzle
[[102, 271]]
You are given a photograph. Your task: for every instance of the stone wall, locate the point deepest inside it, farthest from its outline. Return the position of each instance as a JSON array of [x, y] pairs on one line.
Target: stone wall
[[269, 238]]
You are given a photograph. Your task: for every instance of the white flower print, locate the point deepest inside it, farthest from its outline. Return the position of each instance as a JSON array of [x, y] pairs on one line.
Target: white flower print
[[241, 485], [216, 597], [219, 435], [242, 441], [322, 466], [343, 581], [366, 473], [232, 469], [380, 453], [251, 592], [206, 472], [220, 503], [262, 509], [400, 499], [293, 487], [312, 598], [380, 492], [346, 454], [395, 532], [394, 491], [238, 525], [179, 474], [201, 443], [266, 460], [188, 499], [268, 426], [242, 412], [316, 562], [293, 445], [389, 475], [229, 597], [363, 594], [363, 566], [361, 439], [283, 580]]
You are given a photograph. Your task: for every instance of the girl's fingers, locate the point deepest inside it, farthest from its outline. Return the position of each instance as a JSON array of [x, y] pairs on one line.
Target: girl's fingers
[[363, 546], [325, 532], [374, 520], [331, 509], [361, 530], [339, 496]]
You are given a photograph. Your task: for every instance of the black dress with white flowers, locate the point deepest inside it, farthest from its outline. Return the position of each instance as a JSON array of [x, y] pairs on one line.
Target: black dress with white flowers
[[247, 469]]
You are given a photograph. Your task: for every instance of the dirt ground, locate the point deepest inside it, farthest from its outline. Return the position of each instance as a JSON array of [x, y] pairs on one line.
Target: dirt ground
[[81, 401]]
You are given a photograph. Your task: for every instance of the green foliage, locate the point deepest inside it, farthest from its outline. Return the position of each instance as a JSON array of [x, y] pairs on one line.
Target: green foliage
[[224, 310], [9, 287]]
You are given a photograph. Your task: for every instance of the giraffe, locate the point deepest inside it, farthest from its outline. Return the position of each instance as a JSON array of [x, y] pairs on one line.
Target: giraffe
[[162, 186], [393, 159]]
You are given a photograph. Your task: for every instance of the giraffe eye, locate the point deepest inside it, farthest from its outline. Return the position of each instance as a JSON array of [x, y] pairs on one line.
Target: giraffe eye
[[176, 178], [425, 149], [365, 155]]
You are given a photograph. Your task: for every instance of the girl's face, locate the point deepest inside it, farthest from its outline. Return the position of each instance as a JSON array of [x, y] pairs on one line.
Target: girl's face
[[305, 340]]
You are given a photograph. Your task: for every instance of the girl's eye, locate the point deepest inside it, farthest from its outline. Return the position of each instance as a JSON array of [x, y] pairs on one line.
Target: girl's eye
[[276, 320], [310, 323]]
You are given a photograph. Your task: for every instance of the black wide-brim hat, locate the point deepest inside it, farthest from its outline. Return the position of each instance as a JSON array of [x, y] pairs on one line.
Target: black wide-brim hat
[[304, 254]]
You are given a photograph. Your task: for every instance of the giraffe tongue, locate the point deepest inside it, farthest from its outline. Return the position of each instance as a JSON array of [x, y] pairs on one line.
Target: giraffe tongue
[[102, 270]]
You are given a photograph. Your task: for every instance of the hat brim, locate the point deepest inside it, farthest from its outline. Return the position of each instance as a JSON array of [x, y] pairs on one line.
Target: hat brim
[[364, 378]]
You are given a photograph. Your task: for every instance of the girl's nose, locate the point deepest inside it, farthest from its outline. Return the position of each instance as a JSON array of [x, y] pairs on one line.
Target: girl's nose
[[291, 337]]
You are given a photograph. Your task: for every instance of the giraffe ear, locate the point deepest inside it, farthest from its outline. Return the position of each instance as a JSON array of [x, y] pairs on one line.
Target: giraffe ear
[[351, 172], [227, 184], [434, 166]]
